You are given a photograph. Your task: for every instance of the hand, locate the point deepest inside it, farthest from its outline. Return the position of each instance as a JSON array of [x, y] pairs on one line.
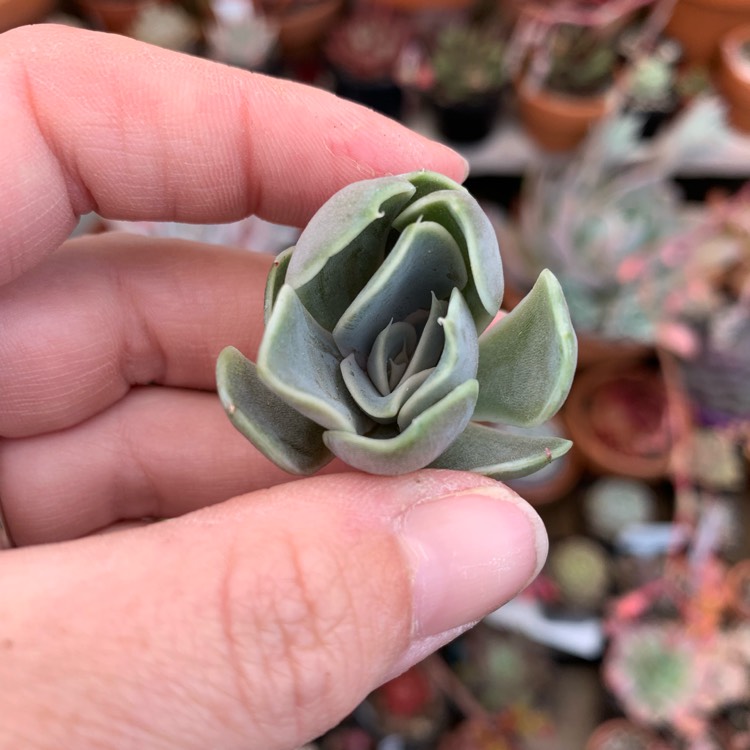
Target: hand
[[252, 622]]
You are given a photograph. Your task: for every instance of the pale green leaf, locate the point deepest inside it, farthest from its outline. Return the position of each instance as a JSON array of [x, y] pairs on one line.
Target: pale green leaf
[[425, 260], [426, 437], [500, 455], [527, 359], [283, 435], [299, 361], [475, 236]]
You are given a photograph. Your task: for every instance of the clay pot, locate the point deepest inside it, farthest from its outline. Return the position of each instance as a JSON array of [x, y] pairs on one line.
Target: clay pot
[[699, 25], [618, 733], [617, 416], [112, 15], [19, 12], [733, 77], [555, 122], [738, 586], [594, 349], [302, 27]]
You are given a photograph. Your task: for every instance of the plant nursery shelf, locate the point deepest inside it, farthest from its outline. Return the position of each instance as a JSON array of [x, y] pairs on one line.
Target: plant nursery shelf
[[509, 151]]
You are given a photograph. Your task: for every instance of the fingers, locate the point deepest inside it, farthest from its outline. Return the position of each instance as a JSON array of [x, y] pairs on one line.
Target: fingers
[[100, 122], [115, 310], [301, 601], [158, 452]]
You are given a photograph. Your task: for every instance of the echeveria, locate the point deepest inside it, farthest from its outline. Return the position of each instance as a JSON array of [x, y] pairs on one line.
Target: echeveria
[[377, 347]]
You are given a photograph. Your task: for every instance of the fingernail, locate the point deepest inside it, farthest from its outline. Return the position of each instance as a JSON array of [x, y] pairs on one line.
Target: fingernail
[[470, 553]]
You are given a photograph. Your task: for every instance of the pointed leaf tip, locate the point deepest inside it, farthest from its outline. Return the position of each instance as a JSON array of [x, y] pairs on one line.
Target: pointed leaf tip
[[527, 359]]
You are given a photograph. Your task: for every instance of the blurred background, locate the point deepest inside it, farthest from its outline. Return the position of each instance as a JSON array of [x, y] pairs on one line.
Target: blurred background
[[609, 140]]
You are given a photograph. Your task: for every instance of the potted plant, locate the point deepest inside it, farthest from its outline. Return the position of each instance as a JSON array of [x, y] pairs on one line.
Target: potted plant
[[467, 74], [567, 87], [166, 25], [112, 15], [733, 76], [565, 65], [302, 26], [579, 569], [703, 309], [596, 220], [363, 51], [651, 90], [242, 37], [622, 734]]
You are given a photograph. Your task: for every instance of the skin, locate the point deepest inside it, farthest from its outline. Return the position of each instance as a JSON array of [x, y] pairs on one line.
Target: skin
[[264, 608]]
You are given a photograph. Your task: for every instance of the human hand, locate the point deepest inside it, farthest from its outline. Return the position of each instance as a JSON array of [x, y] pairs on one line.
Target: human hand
[[260, 621]]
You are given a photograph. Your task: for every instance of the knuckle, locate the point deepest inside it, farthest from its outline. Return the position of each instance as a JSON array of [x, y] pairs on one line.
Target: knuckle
[[289, 625]]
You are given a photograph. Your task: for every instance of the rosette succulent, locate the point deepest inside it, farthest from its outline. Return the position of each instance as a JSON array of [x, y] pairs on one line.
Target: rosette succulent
[[378, 347]]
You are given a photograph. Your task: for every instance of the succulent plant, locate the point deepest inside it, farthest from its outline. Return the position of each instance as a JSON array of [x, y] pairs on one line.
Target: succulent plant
[[663, 675], [582, 61], [241, 37], [166, 25], [704, 308], [611, 504], [467, 62], [598, 217], [579, 567], [372, 349], [652, 83], [367, 44]]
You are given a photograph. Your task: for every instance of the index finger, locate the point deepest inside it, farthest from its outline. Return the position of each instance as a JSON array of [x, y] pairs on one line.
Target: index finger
[[99, 122]]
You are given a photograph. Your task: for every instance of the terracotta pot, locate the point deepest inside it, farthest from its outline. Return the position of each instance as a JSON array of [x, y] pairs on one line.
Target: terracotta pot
[[112, 15], [738, 586], [425, 5], [619, 733], [616, 415], [733, 77], [699, 25], [559, 123], [302, 27], [19, 12], [594, 349]]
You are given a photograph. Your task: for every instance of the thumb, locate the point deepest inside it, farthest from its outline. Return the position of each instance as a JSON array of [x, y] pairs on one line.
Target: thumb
[[257, 623]]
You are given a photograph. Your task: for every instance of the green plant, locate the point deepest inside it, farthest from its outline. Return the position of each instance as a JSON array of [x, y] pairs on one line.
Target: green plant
[[579, 568], [611, 504], [582, 60], [372, 349], [664, 676], [703, 308], [652, 83], [591, 219], [467, 63], [246, 39], [166, 25], [367, 44]]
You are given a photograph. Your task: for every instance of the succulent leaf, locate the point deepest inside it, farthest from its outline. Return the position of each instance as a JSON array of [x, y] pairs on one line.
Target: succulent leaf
[[458, 362], [431, 337], [275, 280], [500, 455], [394, 344], [475, 236], [414, 448], [424, 261], [298, 361], [328, 271], [277, 430], [381, 408], [527, 359]]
